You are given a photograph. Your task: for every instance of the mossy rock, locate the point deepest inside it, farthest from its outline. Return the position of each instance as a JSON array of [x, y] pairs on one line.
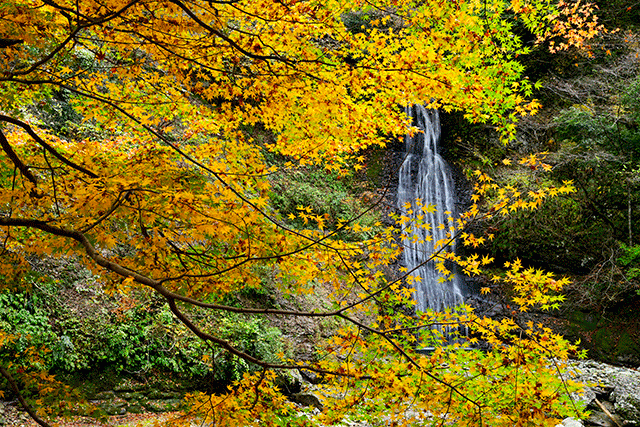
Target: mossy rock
[[92, 383], [163, 405], [169, 383], [159, 395], [104, 395], [114, 408], [616, 341], [131, 395], [584, 321], [289, 382], [627, 344], [128, 385], [606, 341], [136, 408]]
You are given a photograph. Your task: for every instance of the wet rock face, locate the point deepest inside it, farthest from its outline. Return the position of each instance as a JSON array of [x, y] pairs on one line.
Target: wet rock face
[[612, 394]]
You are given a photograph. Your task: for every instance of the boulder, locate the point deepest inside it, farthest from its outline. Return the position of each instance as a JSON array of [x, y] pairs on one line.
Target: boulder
[[289, 381], [570, 422], [114, 407], [307, 399], [163, 405], [626, 396], [613, 387]]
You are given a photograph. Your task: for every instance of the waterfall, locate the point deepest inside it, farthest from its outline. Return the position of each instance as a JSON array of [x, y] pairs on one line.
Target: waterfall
[[425, 178]]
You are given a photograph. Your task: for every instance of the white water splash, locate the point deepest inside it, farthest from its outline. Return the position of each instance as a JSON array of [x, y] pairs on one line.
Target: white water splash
[[426, 177]]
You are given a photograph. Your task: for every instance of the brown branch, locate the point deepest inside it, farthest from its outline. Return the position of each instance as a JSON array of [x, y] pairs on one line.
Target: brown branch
[[607, 413], [72, 35], [23, 402], [219, 177], [9, 42], [53, 182], [232, 43], [208, 337], [45, 145], [24, 169], [171, 297], [122, 196]]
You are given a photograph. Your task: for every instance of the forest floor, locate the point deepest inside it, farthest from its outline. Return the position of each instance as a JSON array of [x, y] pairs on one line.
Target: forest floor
[[10, 416]]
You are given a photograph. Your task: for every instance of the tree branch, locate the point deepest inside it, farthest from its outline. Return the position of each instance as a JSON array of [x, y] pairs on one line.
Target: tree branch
[[45, 145], [24, 169], [25, 405], [72, 35], [9, 42]]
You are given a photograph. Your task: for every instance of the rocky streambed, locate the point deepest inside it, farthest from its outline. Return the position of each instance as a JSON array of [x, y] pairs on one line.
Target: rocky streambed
[[612, 394]]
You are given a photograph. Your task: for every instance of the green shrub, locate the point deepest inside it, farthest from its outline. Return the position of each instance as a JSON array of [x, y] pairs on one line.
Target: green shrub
[[136, 337], [580, 124], [630, 261], [22, 314], [328, 196], [250, 335]]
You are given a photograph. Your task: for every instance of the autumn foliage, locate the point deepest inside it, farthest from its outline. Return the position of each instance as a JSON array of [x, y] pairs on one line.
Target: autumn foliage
[[157, 184]]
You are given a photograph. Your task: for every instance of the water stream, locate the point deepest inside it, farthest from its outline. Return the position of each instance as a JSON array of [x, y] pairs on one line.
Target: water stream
[[425, 178]]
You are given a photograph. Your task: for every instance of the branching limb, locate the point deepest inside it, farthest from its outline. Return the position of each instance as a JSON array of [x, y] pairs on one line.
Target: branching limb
[[25, 405], [24, 169], [9, 42], [172, 297], [169, 296], [89, 22], [53, 183], [116, 204], [45, 145]]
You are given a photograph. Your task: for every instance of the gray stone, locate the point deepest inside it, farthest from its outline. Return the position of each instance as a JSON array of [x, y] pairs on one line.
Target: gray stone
[[584, 399], [570, 422], [626, 396], [600, 419], [289, 381], [131, 395], [311, 376], [105, 395], [307, 399], [157, 394], [114, 408], [128, 385], [136, 408], [164, 405], [621, 384]]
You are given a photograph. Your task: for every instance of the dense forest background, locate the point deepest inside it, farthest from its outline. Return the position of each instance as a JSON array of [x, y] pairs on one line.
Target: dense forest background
[[589, 128]]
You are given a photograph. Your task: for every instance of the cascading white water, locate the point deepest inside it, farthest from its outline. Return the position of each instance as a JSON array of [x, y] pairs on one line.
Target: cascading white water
[[425, 178]]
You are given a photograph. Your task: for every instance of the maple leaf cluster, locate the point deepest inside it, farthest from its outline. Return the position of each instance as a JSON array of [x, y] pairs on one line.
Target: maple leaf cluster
[[157, 184]]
